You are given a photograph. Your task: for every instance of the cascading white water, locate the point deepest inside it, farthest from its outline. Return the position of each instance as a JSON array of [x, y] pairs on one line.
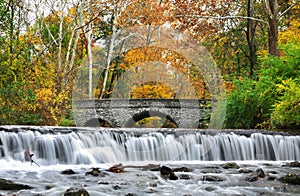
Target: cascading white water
[[102, 146]]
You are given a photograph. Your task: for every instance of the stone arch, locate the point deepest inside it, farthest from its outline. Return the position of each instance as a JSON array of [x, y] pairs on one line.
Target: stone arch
[[145, 114], [97, 122]]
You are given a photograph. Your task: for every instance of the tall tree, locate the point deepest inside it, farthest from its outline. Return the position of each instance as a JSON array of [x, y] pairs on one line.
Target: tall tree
[[110, 32]]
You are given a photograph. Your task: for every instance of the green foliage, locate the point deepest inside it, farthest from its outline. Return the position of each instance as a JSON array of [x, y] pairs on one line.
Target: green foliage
[[16, 99], [242, 105], [272, 98], [286, 113]]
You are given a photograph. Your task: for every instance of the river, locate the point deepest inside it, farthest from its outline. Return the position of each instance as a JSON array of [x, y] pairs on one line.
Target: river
[[203, 152]]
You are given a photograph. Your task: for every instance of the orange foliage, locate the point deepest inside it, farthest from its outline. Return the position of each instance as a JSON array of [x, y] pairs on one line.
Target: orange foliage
[[153, 90]]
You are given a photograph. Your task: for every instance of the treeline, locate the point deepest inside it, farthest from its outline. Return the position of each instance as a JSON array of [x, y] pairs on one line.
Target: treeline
[[53, 51]]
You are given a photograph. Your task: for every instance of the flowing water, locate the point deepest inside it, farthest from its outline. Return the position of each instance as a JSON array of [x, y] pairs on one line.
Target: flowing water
[[56, 149]]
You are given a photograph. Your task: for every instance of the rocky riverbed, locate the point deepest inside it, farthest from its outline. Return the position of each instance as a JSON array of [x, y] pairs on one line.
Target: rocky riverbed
[[152, 178]]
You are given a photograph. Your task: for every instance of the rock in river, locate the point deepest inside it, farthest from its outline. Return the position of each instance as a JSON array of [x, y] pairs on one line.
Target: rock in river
[[10, 185], [96, 172], [74, 191], [213, 178], [291, 179], [230, 166], [167, 173], [68, 172]]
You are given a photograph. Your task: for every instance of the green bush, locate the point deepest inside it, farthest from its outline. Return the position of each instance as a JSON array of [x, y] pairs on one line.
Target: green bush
[[272, 99], [286, 113], [242, 105]]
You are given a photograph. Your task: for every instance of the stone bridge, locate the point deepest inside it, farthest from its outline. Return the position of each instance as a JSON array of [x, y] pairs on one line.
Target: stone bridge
[[184, 113]]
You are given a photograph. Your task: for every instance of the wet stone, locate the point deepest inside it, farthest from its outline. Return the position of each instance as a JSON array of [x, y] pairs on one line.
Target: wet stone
[[152, 184], [213, 178], [268, 164], [131, 194], [182, 169], [293, 164], [271, 178], [272, 172], [211, 171], [184, 177], [259, 173], [291, 179], [10, 185], [96, 172], [245, 170], [251, 178], [151, 191], [74, 191], [116, 187], [231, 165], [167, 173], [68, 172], [210, 188], [47, 187], [103, 182]]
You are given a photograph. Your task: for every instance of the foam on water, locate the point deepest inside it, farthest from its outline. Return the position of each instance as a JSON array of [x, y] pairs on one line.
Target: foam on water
[[106, 146]]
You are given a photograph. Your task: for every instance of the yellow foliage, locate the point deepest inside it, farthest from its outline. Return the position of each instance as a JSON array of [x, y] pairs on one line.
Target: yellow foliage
[[291, 34], [49, 105], [153, 91]]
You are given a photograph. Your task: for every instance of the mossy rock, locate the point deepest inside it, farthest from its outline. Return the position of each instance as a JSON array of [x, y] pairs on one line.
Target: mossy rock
[[291, 179]]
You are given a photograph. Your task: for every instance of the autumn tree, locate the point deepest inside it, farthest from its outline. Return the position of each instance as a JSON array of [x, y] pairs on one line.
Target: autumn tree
[[16, 83]]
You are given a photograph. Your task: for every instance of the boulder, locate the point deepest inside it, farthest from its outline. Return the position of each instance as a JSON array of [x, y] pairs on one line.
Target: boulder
[[74, 191], [167, 173], [293, 164], [259, 173], [96, 172], [68, 172], [10, 185], [230, 166], [291, 179]]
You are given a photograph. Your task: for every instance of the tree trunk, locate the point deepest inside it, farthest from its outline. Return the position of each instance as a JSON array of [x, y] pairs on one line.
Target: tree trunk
[[273, 37], [272, 12], [250, 34]]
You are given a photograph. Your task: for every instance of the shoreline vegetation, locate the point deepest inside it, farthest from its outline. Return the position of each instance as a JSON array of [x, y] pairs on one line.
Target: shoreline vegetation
[[84, 49]]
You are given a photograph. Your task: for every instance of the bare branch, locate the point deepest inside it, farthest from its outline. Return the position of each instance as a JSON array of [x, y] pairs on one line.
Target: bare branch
[[289, 8], [224, 17]]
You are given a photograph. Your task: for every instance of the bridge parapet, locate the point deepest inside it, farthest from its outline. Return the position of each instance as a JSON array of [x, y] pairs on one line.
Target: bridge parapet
[[185, 113]]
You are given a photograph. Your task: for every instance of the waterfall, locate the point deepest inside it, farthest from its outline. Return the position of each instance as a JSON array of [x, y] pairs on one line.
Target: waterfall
[[101, 146]]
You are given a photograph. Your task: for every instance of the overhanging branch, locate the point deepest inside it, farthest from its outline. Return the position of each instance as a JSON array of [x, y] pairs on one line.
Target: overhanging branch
[[224, 17]]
